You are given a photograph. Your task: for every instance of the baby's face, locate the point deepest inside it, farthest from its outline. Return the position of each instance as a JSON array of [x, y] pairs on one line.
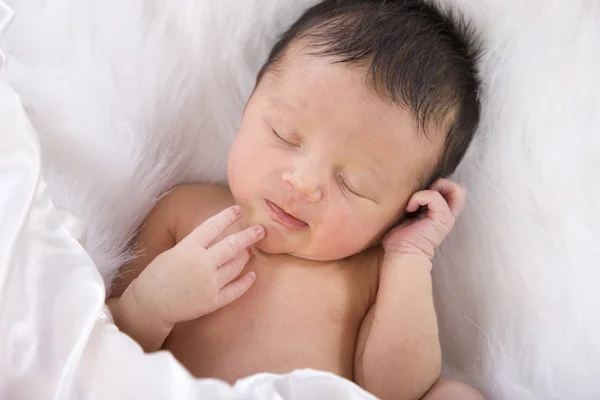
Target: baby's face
[[323, 163]]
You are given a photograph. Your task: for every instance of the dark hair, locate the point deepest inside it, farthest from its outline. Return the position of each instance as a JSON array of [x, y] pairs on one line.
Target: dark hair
[[417, 57]]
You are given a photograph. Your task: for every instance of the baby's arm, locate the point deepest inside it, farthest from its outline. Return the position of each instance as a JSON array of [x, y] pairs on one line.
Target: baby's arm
[[180, 274], [398, 353]]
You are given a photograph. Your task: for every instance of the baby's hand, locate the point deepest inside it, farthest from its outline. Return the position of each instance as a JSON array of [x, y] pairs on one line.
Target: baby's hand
[[423, 234], [197, 277]]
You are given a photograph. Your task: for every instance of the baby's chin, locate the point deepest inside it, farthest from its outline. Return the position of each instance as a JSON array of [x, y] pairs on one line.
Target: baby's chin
[[276, 246], [269, 246], [273, 245]]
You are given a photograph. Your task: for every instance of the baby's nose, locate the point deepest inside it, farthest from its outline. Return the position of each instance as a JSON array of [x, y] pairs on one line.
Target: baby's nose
[[312, 195], [304, 186]]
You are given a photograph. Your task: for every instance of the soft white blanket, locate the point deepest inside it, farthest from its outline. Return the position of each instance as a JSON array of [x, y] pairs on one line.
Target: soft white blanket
[[131, 97]]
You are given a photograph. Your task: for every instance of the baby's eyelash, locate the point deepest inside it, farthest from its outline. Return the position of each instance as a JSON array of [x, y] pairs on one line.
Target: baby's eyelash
[[280, 138], [345, 186], [347, 189]]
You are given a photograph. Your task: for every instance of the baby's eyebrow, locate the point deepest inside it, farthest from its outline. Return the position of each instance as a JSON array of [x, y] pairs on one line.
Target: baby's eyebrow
[[279, 103]]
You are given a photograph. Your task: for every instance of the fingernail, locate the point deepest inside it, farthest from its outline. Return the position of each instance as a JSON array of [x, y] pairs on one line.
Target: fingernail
[[260, 231], [237, 210]]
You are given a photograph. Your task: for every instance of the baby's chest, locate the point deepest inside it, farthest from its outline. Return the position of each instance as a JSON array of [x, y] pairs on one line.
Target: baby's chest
[[329, 290], [296, 315], [290, 295]]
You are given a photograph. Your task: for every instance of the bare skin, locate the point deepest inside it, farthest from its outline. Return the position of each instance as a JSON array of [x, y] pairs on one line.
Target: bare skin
[[298, 314], [324, 177]]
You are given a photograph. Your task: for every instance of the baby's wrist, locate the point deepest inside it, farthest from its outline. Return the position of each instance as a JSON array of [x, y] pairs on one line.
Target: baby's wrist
[[141, 321], [407, 260], [142, 303], [409, 250]]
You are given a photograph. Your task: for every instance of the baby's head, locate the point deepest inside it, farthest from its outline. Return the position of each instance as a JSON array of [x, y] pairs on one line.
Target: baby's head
[[359, 105]]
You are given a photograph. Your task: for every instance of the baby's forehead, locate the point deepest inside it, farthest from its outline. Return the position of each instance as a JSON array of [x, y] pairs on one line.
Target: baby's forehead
[[422, 59], [314, 95], [298, 65]]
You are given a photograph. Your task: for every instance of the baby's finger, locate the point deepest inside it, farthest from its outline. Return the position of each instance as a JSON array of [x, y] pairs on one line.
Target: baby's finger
[[454, 194], [235, 289], [233, 244], [231, 269], [212, 228], [430, 198], [438, 209]]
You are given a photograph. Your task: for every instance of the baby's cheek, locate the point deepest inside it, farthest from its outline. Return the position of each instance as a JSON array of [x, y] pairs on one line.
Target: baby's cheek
[[334, 248], [243, 172], [341, 237]]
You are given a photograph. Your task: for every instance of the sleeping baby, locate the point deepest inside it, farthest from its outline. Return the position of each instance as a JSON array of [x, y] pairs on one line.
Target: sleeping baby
[[319, 253]]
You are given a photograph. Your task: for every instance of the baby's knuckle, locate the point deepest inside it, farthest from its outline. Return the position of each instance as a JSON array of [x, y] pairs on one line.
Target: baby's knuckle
[[212, 226], [438, 196], [443, 226], [237, 265], [233, 244], [215, 294]]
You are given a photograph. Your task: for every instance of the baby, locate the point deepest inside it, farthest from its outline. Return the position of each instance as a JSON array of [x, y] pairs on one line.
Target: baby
[[319, 254]]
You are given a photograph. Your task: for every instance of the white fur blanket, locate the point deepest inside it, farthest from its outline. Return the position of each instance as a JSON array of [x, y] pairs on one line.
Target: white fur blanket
[[132, 97]]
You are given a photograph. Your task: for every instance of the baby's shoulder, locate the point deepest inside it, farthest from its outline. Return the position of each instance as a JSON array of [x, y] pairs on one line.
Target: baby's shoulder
[[366, 269], [197, 195], [189, 205]]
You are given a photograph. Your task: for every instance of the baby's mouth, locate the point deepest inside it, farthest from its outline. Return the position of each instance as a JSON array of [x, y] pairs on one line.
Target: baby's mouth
[[279, 215]]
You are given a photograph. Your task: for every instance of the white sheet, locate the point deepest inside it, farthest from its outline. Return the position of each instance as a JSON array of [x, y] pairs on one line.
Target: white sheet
[[57, 339]]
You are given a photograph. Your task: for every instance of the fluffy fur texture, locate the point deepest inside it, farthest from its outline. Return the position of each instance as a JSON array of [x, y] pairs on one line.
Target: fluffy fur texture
[[132, 97]]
